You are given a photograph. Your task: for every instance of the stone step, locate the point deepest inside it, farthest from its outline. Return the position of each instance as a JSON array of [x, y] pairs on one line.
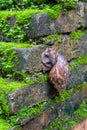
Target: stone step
[[58, 110], [33, 94], [37, 23], [29, 59], [76, 55]]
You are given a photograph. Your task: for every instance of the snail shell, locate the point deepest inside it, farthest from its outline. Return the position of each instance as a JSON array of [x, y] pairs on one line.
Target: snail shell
[[59, 73], [58, 67]]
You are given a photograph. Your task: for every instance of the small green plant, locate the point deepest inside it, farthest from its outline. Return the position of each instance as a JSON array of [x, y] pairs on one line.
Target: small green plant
[[68, 4], [81, 60], [55, 11], [4, 124], [77, 34], [27, 112], [4, 107], [7, 58], [50, 37]]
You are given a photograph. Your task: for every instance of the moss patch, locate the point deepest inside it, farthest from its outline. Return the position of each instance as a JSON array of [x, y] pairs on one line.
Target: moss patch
[[10, 45], [69, 121], [50, 37], [77, 34], [21, 22], [78, 61], [7, 56], [8, 86], [50, 103], [4, 125]]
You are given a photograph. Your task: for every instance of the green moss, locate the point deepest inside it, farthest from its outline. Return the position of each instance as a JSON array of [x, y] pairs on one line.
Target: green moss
[[57, 36], [4, 125], [81, 60], [16, 32], [81, 113], [64, 96], [18, 5], [7, 87], [4, 108], [45, 105], [10, 86], [10, 45], [68, 121], [27, 112], [77, 34], [54, 11], [7, 58]]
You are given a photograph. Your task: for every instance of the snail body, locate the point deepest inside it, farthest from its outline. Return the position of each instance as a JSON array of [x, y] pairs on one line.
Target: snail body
[[58, 68]]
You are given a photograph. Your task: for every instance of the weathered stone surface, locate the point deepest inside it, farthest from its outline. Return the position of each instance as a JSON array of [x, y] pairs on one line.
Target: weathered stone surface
[[80, 9], [12, 20], [66, 107], [65, 23], [77, 76], [82, 12], [74, 48], [42, 25], [30, 95], [80, 126], [33, 94], [39, 25], [29, 59]]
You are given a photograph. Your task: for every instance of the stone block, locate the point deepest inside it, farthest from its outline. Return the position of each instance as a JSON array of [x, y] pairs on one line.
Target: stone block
[[42, 25], [68, 107], [38, 92], [29, 60]]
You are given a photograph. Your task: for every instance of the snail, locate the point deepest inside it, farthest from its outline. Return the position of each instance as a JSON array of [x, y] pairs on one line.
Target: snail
[[57, 66]]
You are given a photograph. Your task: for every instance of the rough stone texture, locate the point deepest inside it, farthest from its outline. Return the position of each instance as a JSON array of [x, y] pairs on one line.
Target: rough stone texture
[[42, 25], [77, 76], [81, 9], [33, 94], [12, 20], [80, 126], [30, 95], [29, 59], [74, 48], [39, 25], [66, 107]]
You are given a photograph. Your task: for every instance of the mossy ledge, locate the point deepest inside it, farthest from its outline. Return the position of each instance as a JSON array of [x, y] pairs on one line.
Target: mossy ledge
[[37, 110], [21, 19], [7, 56], [81, 60], [22, 25], [53, 104]]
